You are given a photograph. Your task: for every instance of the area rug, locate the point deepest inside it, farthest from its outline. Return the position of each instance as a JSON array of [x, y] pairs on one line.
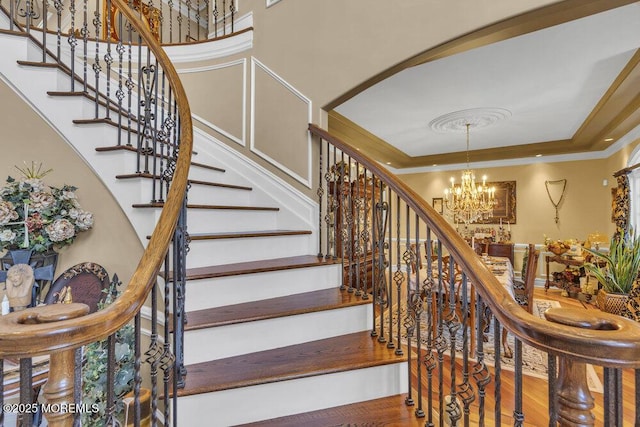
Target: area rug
[[534, 361]]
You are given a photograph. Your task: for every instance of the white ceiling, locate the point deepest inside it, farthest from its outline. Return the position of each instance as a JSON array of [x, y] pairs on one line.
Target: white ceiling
[[549, 80]]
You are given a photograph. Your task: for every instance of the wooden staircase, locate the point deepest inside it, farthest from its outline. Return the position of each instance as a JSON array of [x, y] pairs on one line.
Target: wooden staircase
[[269, 332]]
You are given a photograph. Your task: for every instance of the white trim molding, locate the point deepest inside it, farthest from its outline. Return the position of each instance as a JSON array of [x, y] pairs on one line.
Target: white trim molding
[[241, 140], [303, 180]]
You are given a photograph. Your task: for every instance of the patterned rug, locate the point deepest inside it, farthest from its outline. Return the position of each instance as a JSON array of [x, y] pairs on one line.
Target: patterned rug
[[534, 361]]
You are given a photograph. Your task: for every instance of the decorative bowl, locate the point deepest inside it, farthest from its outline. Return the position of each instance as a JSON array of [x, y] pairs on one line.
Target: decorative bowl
[[557, 250]]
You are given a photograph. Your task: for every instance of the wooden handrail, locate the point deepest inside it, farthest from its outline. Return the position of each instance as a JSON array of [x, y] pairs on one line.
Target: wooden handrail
[[616, 345], [25, 339]]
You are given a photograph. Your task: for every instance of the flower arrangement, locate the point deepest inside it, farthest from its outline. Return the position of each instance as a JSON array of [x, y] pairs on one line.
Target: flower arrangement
[[36, 216]]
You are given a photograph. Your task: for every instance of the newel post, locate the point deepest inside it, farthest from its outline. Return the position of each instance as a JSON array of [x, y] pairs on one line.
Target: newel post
[[575, 401], [58, 391]]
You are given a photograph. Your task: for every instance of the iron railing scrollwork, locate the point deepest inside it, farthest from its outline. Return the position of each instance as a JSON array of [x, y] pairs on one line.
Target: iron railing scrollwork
[[446, 312]]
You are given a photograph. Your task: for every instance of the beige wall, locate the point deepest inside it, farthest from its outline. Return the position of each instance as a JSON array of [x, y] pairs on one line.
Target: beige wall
[[322, 49], [586, 206], [25, 138]]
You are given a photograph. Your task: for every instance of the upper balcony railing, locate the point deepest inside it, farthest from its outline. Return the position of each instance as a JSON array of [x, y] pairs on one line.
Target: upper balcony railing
[[169, 22]]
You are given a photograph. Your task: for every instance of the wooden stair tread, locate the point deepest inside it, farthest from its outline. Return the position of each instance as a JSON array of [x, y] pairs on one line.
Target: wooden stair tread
[[134, 150], [386, 411], [247, 234], [330, 355], [260, 266], [191, 181], [213, 207], [307, 302]]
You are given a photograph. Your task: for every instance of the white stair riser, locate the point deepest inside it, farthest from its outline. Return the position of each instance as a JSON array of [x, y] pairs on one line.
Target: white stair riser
[[290, 397], [206, 293], [210, 195], [233, 340], [226, 220], [229, 251]]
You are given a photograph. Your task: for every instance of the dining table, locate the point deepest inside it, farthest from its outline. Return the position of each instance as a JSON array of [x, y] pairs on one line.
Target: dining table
[[500, 267]]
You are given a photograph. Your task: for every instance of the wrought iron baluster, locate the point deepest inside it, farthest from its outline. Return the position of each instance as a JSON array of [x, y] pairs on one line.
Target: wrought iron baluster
[[170, 7], [481, 374], [465, 389], [409, 320], [73, 42], [380, 289], [349, 218], [120, 49], [518, 414], [342, 237], [389, 266], [97, 68], [167, 359], [45, 13], [417, 308], [26, 391], [154, 353], [77, 385], [429, 360], [553, 386], [358, 206], [130, 85], [399, 280], [454, 412], [155, 152], [197, 19], [232, 10], [215, 19], [366, 234], [84, 32], [180, 248], [188, 4], [2, 389], [111, 367], [57, 4], [320, 194], [206, 21], [497, 371], [108, 59], [137, 381], [440, 343]]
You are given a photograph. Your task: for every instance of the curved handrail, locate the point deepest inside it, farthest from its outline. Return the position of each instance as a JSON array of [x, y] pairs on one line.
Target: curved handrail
[[19, 339], [615, 344]]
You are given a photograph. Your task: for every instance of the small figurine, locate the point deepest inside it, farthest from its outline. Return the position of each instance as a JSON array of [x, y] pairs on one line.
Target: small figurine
[[20, 280]]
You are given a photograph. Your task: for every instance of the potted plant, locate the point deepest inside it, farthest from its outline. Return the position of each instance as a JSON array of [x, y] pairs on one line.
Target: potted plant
[[617, 271], [94, 369]]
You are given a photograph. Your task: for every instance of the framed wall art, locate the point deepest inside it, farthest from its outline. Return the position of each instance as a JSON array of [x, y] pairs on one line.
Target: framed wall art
[[505, 208], [437, 204]]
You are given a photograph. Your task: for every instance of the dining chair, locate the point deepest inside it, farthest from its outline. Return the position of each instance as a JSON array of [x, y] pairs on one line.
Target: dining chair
[[523, 289], [501, 249]]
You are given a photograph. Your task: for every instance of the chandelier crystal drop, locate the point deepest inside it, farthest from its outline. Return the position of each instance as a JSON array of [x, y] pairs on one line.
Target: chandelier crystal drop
[[469, 202]]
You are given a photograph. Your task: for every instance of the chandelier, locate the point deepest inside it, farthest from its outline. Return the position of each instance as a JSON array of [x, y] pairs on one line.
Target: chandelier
[[469, 202]]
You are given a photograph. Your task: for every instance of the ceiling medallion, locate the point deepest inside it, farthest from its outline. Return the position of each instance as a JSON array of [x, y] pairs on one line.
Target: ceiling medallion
[[475, 118]]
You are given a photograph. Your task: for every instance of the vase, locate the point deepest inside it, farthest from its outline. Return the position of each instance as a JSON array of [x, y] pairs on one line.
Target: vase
[[611, 302], [43, 264]]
